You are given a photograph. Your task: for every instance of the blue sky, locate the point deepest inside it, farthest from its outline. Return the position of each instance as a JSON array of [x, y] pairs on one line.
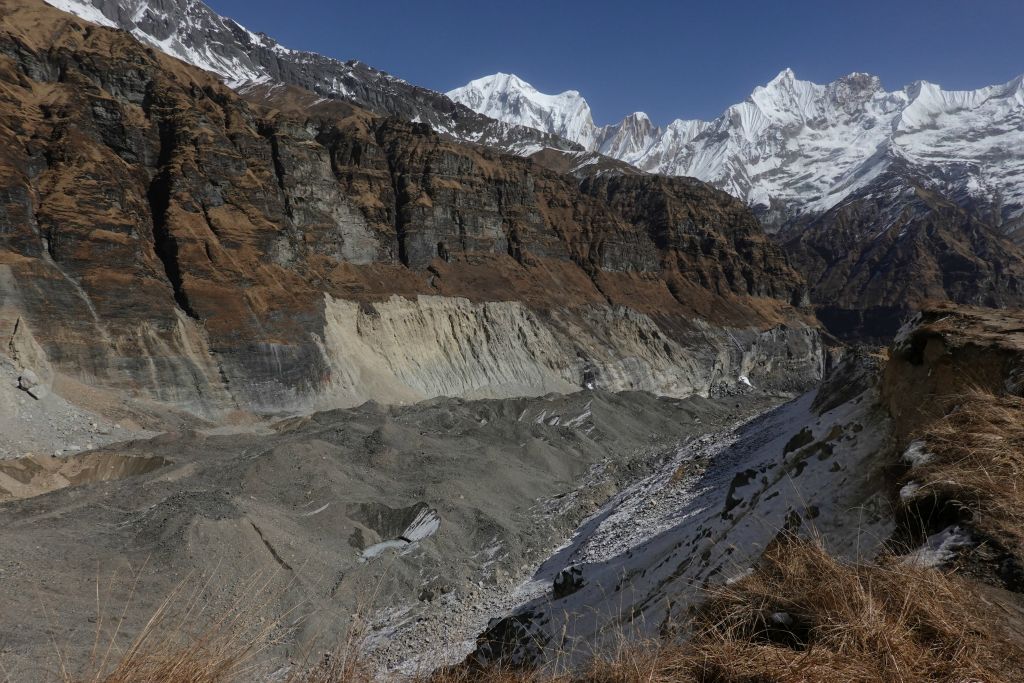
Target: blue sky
[[670, 59]]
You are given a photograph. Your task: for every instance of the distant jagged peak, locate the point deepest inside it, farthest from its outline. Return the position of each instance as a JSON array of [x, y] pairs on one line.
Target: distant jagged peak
[[798, 143], [788, 100]]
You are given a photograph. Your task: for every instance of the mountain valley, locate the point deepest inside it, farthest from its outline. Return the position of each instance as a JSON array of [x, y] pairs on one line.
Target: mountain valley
[[310, 374]]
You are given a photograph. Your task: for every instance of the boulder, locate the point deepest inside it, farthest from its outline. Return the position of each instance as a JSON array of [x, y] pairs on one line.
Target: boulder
[[27, 380], [568, 581]]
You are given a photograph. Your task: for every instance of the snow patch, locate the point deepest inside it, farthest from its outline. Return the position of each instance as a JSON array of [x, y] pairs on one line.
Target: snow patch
[[424, 525], [82, 10], [941, 548], [909, 491], [917, 454]]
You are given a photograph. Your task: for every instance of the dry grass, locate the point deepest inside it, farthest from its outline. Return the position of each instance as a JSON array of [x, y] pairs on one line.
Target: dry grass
[[805, 617], [337, 667], [978, 462], [649, 662], [183, 642], [346, 664], [802, 616]]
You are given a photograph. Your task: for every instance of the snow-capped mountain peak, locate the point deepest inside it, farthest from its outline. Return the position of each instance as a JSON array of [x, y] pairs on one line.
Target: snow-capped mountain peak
[[506, 97], [799, 144], [631, 138]]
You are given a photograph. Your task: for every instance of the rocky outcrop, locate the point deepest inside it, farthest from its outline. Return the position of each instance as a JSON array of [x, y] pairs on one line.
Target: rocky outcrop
[[161, 235], [948, 351]]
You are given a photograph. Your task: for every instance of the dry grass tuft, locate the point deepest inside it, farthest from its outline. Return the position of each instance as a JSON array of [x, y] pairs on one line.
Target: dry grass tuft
[[978, 462], [346, 664], [338, 667], [647, 662], [805, 616], [182, 642]]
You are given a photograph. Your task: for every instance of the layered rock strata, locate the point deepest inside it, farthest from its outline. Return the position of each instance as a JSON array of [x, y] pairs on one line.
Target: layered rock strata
[[160, 234]]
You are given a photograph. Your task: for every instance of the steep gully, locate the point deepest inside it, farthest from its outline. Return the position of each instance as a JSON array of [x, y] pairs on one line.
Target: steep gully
[[159, 195]]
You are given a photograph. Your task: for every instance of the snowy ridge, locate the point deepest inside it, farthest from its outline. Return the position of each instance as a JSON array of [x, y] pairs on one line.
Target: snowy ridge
[[801, 144], [192, 32], [185, 29]]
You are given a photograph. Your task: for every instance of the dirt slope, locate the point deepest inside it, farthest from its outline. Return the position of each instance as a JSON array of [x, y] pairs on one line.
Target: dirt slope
[[422, 518]]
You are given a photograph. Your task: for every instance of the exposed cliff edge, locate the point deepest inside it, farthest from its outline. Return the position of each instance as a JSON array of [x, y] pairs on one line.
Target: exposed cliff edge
[[163, 236]]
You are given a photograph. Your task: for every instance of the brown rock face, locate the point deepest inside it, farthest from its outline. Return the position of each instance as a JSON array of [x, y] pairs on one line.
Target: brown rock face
[[948, 351], [701, 237], [898, 247], [162, 235]]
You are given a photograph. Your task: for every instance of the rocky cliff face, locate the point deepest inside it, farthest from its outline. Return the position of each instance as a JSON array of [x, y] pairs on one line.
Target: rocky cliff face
[[803, 155], [896, 247], [162, 235]]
